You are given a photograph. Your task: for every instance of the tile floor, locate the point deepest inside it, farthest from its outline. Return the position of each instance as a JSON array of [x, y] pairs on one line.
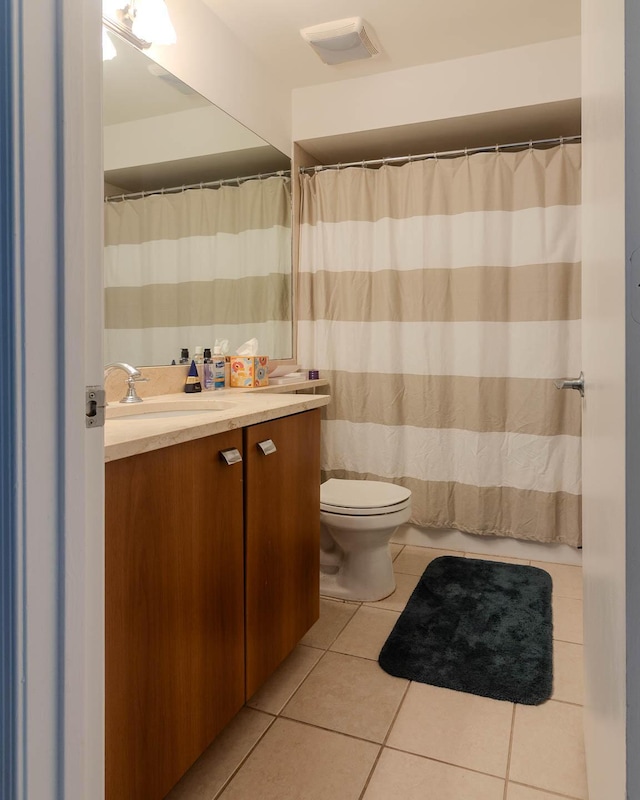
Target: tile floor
[[331, 725]]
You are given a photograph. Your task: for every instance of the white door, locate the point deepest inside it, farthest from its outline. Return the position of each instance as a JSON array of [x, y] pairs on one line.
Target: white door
[[57, 343], [604, 426]]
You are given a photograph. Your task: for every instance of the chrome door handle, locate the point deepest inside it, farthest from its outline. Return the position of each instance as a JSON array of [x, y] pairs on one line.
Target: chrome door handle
[[572, 383], [267, 447], [231, 455]]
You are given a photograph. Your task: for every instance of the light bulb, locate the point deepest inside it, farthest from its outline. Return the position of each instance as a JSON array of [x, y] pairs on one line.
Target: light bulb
[[108, 49], [111, 7], [152, 22]]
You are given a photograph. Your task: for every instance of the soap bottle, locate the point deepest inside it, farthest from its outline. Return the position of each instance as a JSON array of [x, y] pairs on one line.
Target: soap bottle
[[218, 368], [184, 355], [192, 384], [198, 356], [207, 370]]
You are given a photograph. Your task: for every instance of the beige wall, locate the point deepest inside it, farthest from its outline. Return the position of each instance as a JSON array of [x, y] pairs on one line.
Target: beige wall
[[523, 76], [209, 58], [170, 137]]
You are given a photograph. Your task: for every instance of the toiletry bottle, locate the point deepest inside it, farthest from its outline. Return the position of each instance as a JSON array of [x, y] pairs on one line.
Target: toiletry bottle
[[198, 356], [192, 384], [184, 355], [218, 369], [207, 370]]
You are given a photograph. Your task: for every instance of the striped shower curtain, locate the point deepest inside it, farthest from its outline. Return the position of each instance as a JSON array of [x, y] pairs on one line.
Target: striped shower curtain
[[442, 298], [188, 268]]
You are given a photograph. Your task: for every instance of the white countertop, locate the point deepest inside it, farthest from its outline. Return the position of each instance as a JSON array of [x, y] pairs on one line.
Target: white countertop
[[127, 437]]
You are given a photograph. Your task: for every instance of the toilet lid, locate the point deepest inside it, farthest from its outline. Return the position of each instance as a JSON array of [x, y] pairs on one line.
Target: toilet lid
[[362, 497]]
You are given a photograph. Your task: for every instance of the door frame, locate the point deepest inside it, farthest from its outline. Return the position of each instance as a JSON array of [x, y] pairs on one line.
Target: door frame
[[55, 340]]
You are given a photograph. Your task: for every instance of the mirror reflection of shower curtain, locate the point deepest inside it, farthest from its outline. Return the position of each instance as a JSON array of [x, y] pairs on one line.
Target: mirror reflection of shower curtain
[[184, 269], [442, 298]]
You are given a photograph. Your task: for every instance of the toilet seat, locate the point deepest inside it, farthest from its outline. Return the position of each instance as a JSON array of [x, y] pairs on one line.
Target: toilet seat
[[362, 498]]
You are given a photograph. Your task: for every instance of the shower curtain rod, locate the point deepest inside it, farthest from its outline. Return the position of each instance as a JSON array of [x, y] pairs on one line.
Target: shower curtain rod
[[467, 151], [116, 198]]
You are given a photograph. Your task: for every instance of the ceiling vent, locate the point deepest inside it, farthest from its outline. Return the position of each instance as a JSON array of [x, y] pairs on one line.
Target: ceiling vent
[[340, 41]]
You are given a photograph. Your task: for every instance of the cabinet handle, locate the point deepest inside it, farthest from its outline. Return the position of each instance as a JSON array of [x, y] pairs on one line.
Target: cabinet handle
[[231, 456], [267, 447]]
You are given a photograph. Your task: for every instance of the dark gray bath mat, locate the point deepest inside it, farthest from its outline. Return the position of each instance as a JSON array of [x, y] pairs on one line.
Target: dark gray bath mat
[[477, 626]]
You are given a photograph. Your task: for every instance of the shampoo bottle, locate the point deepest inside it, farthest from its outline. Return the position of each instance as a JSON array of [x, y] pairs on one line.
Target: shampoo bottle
[[207, 370]]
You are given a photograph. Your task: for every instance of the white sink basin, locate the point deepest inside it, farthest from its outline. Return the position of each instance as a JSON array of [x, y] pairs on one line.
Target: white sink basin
[[167, 410], [166, 414]]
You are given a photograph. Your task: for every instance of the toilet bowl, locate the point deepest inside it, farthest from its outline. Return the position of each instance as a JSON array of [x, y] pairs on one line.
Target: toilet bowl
[[357, 519]]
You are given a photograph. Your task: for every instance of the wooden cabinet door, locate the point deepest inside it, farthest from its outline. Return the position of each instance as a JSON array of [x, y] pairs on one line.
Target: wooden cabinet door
[[282, 540], [174, 611]]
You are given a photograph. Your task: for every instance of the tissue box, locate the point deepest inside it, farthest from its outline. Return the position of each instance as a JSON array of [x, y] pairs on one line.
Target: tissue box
[[249, 371]]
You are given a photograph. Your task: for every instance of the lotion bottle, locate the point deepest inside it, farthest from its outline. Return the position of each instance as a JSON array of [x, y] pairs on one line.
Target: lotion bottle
[[218, 368], [207, 370]]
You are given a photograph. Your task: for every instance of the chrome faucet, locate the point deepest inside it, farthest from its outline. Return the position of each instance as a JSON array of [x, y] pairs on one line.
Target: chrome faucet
[[134, 376]]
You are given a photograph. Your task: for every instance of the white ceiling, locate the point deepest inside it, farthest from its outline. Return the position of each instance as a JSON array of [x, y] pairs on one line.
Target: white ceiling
[[410, 32]]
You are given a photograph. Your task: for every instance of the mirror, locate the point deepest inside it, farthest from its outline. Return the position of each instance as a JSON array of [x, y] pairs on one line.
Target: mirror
[[197, 222]]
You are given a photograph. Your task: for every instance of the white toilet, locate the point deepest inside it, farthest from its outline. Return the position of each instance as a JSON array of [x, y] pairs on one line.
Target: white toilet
[[357, 519]]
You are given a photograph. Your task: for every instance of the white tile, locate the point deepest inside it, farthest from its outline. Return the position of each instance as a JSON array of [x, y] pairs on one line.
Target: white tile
[[405, 584], [366, 632], [221, 759], [568, 672], [401, 776], [547, 751], [298, 762], [334, 615], [349, 695], [459, 728], [567, 619], [414, 560], [516, 791], [567, 580], [500, 559], [278, 689]]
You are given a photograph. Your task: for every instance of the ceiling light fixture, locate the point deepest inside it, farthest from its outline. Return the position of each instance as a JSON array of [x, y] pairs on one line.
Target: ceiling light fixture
[[341, 41], [141, 22]]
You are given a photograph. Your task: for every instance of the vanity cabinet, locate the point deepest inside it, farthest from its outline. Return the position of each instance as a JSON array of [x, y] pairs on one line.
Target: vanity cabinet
[[282, 539], [174, 611], [212, 578]]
